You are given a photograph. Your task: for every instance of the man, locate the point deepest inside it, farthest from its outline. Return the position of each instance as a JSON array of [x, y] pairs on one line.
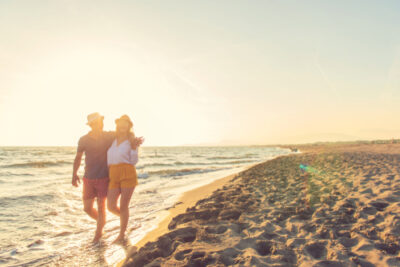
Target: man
[[95, 180]]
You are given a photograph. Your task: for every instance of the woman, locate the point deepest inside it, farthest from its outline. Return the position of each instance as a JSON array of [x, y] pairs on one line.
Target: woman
[[121, 159]]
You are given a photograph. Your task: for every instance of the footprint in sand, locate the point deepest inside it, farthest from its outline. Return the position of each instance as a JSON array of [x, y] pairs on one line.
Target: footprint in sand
[[317, 250], [216, 229], [379, 205], [181, 254], [264, 247]]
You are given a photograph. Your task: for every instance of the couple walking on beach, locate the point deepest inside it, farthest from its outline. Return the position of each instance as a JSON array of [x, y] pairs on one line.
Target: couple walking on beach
[[110, 173]]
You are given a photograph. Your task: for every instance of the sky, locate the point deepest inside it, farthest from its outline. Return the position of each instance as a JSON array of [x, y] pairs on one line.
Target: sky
[[200, 72]]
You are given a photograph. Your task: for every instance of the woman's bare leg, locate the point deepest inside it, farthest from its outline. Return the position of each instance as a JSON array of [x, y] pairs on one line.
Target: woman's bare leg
[[126, 194], [112, 199]]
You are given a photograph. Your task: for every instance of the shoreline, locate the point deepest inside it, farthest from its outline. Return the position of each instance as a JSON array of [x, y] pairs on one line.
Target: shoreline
[[186, 200], [341, 209]]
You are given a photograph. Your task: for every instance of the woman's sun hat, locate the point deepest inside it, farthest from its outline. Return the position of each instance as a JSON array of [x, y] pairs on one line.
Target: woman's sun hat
[[93, 117], [124, 118]]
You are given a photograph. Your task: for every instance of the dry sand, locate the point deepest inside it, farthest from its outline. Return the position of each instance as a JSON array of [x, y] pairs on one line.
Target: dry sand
[[342, 208]]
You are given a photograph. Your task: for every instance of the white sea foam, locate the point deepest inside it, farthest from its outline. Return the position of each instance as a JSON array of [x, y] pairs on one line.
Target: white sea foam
[[42, 221]]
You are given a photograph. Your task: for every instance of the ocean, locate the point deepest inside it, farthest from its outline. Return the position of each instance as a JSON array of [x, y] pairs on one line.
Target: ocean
[[42, 222]]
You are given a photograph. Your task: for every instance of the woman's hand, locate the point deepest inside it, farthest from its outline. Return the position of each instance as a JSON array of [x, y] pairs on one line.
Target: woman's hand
[[136, 141]]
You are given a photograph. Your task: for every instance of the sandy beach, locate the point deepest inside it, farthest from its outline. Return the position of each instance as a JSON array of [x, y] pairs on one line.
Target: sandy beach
[[331, 205]]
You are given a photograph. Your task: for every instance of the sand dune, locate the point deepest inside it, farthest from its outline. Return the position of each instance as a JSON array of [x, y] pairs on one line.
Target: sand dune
[[325, 208]]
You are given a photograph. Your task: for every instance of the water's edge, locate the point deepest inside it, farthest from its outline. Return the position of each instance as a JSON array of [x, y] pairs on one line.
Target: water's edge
[[168, 214]]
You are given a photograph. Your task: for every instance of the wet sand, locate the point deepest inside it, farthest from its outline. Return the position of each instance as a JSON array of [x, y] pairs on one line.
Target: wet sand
[[329, 206]]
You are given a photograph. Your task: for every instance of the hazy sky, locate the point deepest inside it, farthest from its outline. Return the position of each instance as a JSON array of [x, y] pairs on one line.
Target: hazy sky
[[200, 72]]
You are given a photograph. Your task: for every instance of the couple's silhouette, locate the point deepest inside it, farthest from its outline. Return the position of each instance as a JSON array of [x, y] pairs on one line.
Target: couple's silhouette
[[110, 172]]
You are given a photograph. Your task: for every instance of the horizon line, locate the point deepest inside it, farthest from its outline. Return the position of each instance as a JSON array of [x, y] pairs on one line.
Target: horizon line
[[234, 145]]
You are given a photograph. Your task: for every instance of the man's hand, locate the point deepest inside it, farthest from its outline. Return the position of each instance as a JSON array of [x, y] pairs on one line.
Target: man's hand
[[75, 180], [136, 141], [77, 163]]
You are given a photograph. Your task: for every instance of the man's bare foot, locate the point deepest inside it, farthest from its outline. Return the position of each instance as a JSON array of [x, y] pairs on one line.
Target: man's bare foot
[[120, 239], [97, 237]]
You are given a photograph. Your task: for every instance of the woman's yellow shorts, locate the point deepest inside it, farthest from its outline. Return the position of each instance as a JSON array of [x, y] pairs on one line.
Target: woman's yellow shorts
[[122, 176]]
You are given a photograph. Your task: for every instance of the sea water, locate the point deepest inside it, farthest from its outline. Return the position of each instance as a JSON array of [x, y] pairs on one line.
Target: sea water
[[42, 221]]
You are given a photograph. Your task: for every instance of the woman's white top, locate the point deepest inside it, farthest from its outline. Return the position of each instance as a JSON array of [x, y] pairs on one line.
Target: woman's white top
[[122, 153]]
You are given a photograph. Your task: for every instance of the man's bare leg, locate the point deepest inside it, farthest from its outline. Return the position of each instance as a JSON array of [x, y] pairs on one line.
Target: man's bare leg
[[88, 208], [101, 219]]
